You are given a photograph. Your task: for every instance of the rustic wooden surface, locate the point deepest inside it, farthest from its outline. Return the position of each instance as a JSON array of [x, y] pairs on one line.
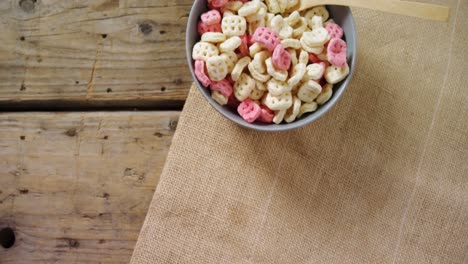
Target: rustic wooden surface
[[75, 187], [93, 53]]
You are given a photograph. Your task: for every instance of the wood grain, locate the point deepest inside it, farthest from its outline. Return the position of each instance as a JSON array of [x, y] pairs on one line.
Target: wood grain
[[76, 187], [93, 52]]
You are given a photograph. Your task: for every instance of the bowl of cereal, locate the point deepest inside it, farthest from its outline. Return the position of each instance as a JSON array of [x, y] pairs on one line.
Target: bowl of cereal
[[267, 68]]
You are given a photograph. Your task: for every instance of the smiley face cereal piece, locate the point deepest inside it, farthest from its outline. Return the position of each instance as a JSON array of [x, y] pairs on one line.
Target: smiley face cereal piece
[[276, 103], [277, 88], [293, 111], [316, 37], [276, 74], [281, 58], [334, 30], [317, 11], [243, 87], [201, 74], [230, 58], [219, 98], [314, 71], [211, 17], [217, 68], [335, 74], [266, 37], [249, 110], [249, 8], [256, 93], [223, 86], [279, 116], [239, 68], [204, 51], [256, 74], [316, 22], [234, 25], [325, 95], [309, 91]]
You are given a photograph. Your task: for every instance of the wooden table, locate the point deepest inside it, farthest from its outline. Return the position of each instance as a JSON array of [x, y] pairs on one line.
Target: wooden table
[[78, 164]]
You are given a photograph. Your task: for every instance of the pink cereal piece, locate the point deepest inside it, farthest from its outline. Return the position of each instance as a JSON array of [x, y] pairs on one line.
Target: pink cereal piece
[[203, 28], [334, 30], [218, 3], [281, 58], [249, 40], [266, 37], [313, 58], [249, 110], [336, 45], [211, 17], [266, 116], [224, 87], [244, 47], [201, 74], [337, 59]]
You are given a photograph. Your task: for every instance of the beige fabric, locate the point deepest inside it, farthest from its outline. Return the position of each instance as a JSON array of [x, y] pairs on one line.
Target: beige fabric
[[382, 178]]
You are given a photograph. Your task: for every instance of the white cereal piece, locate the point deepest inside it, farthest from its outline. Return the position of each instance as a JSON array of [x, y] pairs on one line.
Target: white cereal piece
[[257, 75], [317, 11], [256, 93], [326, 94], [219, 98], [277, 88], [204, 50], [293, 18], [291, 43], [316, 37], [254, 49], [297, 74], [307, 108], [259, 15], [334, 74], [273, 6], [299, 28], [239, 68], [234, 25], [230, 58], [308, 48], [293, 54], [276, 103], [260, 86], [314, 72], [293, 111], [259, 60], [243, 87], [277, 74], [233, 5], [249, 8], [282, 28], [303, 57], [217, 68], [213, 37], [316, 22], [230, 44], [279, 116], [268, 19], [309, 91]]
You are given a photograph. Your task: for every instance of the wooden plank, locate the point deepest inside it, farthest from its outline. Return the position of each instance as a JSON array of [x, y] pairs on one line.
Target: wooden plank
[[76, 187], [100, 52]]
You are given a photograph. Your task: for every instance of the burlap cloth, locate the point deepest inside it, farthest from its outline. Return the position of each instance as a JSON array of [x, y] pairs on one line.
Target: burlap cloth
[[382, 178]]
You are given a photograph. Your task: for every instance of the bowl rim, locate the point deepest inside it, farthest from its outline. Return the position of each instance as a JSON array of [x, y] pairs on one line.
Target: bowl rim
[[272, 127]]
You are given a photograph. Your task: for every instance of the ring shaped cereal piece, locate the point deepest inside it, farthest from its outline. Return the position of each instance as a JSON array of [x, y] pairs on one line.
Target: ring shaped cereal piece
[[230, 44], [297, 74], [314, 71], [256, 94], [201, 74], [303, 57], [234, 26], [293, 18], [217, 68], [326, 94], [276, 74], [293, 111], [300, 28], [293, 54], [316, 37], [259, 61], [273, 6], [243, 87], [317, 11], [279, 116], [230, 58], [254, 49], [249, 8], [266, 37], [204, 50], [309, 91], [334, 74], [307, 108], [314, 50], [266, 116], [334, 30], [224, 87], [316, 22], [211, 17], [276, 103], [213, 37], [218, 3], [291, 43], [257, 75], [233, 6], [202, 28], [277, 88], [219, 98], [239, 68], [281, 58], [249, 110]]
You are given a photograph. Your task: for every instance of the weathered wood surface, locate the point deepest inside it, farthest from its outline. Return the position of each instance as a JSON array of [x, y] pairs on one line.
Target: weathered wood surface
[[76, 187], [93, 53]]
